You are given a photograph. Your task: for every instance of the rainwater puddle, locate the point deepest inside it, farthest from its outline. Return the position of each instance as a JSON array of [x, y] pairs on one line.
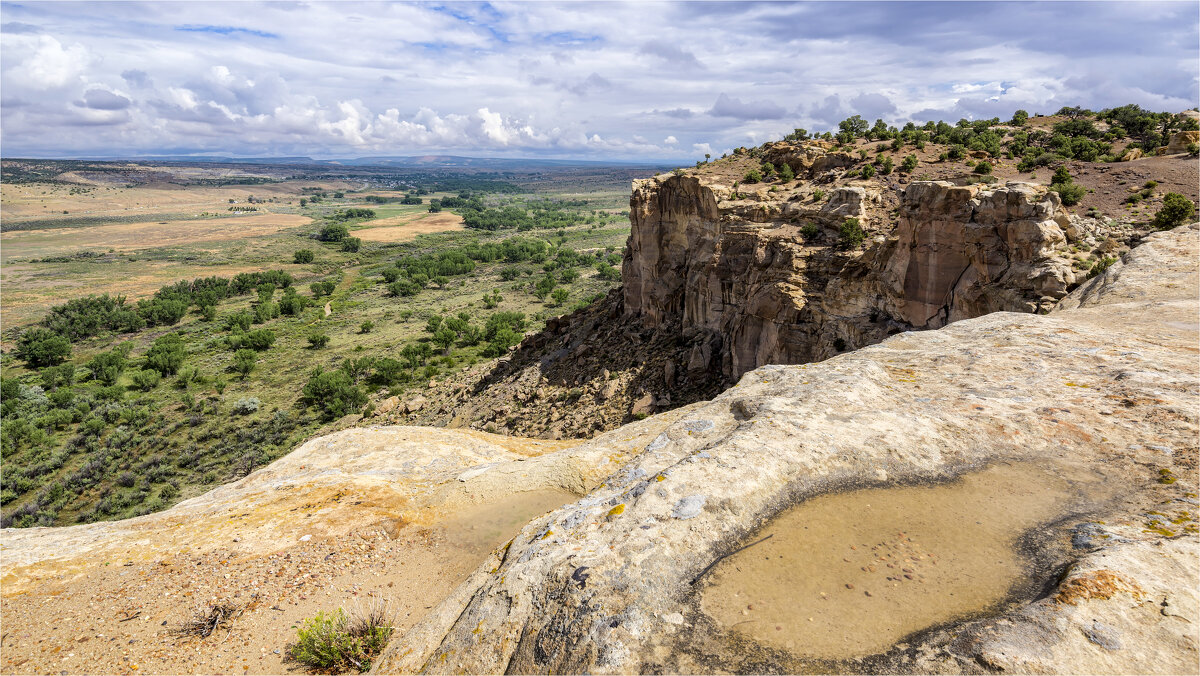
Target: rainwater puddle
[[851, 574], [481, 528]]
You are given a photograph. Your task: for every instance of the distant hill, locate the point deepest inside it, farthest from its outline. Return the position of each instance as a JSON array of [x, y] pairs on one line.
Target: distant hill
[[415, 161]]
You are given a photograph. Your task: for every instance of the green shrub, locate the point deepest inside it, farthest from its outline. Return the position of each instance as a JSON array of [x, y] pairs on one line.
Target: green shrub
[[303, 256], [333, 232], [366, 326], [1062, 183], [956, 152], [106, 367], [868, 171], [404, 287], [851, 234], [608, 272], [983, 168], [559, 296], [1071, 193], [334, 642], [334, 393], [351, 244], [909, 164], [42, 347], [1101, 265], [57, 376], [244, 361], [752, 176], [259, 339], [166, 354], [818, 195], [322, 288], [544, 286], [810, 231], [146, 379], [292, 303], [265, 312], [238, 321], [786, 174], [318, 340], [1176, 210], [885, 167]]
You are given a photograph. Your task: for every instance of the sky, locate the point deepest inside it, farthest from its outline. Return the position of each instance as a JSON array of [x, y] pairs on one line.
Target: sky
[[640, 81]]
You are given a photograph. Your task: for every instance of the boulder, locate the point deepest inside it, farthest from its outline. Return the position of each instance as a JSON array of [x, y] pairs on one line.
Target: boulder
[[387, 406], [643, 405], [1180, 141]]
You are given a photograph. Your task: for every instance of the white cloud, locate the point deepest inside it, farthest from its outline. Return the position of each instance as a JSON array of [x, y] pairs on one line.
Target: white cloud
[[46, 63], [331, 79]]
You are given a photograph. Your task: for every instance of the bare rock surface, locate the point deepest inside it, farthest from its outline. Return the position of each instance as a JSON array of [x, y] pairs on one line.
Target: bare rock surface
[[1110, 389]]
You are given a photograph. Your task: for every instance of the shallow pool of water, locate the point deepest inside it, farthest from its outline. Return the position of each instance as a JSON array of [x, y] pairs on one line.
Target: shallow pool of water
[[479, 529], [851, 574]]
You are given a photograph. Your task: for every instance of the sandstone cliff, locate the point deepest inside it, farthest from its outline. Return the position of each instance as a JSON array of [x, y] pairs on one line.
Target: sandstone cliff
[[740, 267], [721, 276]]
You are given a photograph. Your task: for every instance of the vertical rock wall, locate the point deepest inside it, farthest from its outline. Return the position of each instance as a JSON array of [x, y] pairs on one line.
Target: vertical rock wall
[[702, 260]]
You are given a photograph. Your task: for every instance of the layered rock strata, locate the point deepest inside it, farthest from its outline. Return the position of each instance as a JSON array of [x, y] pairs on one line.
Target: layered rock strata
[[749, 274]]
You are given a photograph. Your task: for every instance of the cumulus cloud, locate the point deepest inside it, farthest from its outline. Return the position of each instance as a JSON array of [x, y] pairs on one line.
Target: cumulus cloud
[[339, 79], [48, 64]]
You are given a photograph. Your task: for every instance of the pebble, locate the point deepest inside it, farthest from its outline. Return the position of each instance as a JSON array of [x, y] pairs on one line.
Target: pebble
[[849, 586]]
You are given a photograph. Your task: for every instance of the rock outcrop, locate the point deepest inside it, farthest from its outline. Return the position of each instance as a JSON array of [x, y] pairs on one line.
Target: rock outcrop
[[721, 277], [746, 273], [1180, 141], [1107, 390]]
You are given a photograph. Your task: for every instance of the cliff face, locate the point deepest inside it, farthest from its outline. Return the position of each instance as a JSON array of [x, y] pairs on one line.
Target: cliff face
[[737, 265], [721, 277]]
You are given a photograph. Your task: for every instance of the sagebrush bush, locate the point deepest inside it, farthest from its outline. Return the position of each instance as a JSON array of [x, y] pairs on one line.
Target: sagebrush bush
[[246, 406], [339, 643]]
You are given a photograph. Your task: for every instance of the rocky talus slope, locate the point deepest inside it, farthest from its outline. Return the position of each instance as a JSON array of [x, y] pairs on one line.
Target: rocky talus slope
[[1103, 390], [721, 277], [1100, 396]]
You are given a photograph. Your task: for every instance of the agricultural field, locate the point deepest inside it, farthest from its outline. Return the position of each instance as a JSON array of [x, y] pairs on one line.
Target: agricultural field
[[164, 332]]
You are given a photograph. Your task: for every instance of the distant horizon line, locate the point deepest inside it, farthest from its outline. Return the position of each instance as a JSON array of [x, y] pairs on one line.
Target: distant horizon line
[[184, 157]]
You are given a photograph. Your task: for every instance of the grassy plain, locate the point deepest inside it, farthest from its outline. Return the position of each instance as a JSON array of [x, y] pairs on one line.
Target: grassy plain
[[120, 451]]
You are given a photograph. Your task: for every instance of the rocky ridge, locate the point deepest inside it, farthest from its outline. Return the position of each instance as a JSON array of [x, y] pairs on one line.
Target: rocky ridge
[[721, 277], [1103, 385]]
